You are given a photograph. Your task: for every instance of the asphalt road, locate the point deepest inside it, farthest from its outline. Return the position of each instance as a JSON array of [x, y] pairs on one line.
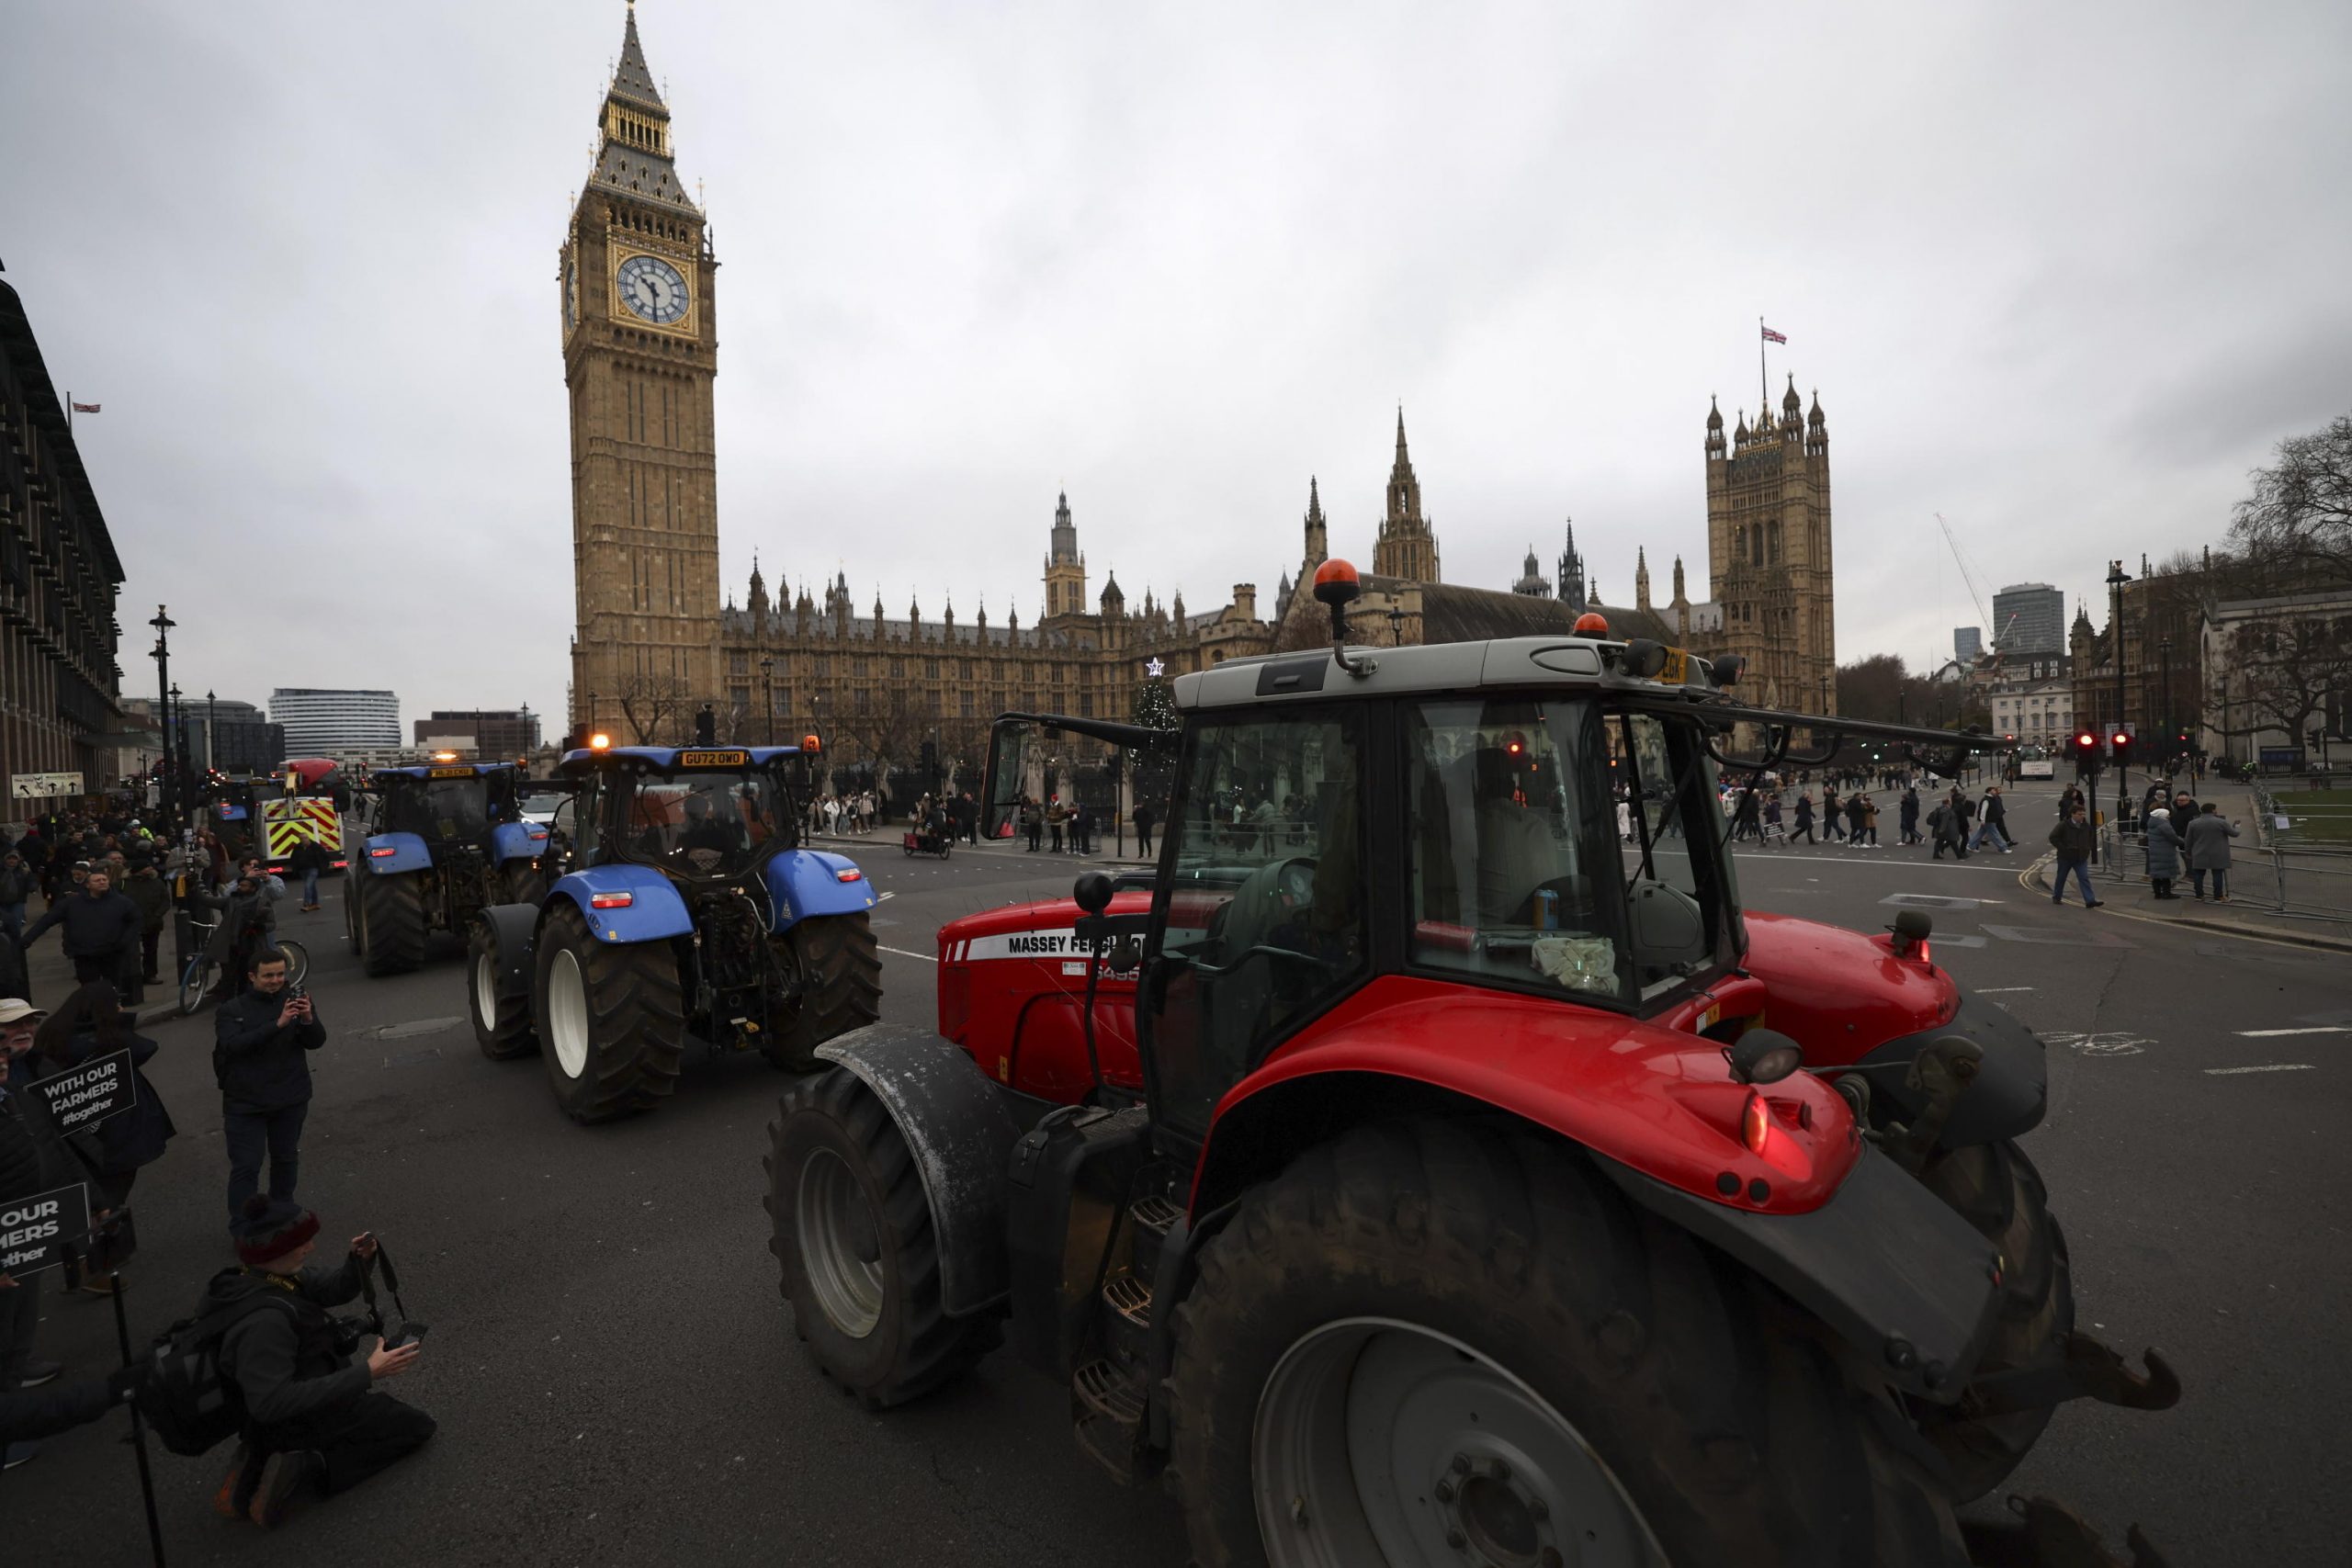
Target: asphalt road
[[617, 1382]]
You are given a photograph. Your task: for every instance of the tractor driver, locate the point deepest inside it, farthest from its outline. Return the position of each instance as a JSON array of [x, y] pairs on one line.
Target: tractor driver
[[704, 831], [1515, 847]]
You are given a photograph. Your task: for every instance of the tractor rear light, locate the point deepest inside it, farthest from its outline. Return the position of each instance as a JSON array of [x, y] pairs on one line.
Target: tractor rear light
[[1754, 1123], [851, 875], [384, 853], [611, 900]]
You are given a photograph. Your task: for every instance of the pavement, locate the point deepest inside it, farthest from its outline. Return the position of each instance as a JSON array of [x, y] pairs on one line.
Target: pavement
[[617, 1381]]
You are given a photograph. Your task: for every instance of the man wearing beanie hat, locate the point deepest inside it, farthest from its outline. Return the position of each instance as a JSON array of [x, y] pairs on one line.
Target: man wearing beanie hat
[[313, 1420]]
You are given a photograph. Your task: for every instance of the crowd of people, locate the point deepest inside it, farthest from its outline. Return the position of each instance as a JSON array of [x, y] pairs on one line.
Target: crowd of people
[[308, 1417]]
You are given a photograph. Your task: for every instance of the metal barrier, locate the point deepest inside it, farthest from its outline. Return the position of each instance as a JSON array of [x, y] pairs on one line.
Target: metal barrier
[[2310, 843]]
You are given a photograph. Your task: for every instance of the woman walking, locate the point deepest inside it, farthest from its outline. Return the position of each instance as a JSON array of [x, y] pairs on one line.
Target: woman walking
[[1830, 812], [1870, 822], [1804, 818], [2164, 852], [1910, 816]]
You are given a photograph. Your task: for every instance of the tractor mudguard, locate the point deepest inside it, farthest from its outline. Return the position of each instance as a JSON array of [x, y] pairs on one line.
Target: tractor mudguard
[[1885, 1263], [407, 853], [961, 1129], [517, 840], [2012, 1087], [514, 933], [803, 883], [654, 909]]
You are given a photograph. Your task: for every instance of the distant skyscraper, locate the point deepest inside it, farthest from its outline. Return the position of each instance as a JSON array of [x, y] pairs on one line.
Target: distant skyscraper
[[2029, 618], [321, 722], [1967, 643]]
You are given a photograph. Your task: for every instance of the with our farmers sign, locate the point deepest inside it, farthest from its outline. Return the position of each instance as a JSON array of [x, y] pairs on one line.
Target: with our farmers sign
[[91, 1093], [35, 1232]]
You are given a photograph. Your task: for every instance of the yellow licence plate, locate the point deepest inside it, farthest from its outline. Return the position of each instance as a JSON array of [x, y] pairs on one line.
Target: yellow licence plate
[[450, 774], [1678, 667], [714, 759]]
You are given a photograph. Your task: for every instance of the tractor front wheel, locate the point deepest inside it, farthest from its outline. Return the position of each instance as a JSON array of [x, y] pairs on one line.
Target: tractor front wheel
[[522, 882], [837, 965], [1432, 1342], [501, 1025], [852, 1237], [611, 1019], [391, 922], [1995, 1187]]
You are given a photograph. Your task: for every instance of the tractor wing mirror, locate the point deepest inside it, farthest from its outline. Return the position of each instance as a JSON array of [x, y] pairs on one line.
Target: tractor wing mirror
[[1092, 891], [1000, 784], [1668, 928]]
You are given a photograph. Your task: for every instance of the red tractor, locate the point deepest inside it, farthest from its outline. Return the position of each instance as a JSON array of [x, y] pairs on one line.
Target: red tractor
[[1408, 1170]]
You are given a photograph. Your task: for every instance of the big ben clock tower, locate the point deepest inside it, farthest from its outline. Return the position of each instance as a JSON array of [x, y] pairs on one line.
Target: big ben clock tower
[[640, 342]]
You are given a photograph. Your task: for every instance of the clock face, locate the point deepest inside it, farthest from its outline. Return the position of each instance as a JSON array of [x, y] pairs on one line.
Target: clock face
[[571, 292], [651, 287]]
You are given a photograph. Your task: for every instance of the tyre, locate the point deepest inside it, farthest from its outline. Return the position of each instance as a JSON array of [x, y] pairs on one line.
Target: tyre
[[391, 922], [522, 882], [839, 969], [501, 1025], [194, 984], [1438, 1342], [852, 1233], [611, 1019], [352, 882], [1995, 1187]]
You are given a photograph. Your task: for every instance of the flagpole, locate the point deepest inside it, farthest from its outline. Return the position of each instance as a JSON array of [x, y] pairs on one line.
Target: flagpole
[[1763, 377]]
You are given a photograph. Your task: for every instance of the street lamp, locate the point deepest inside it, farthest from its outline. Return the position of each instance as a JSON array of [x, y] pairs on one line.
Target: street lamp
[[162, 623], [767, 696], [2166, 704], [211, 708], [2116, 578]]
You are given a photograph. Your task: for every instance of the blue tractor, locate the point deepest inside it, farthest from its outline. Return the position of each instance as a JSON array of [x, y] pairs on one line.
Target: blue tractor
[[444, 842], [682, 902]]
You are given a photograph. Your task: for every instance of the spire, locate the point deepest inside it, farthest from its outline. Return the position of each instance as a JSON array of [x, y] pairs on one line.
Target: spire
[[633, 78], [633, 148], [1641, 579], [1065, 532], [1680, 595], [1791, 402], [1318, 544], [1715, 414], [1406, 546], [1570, 576]]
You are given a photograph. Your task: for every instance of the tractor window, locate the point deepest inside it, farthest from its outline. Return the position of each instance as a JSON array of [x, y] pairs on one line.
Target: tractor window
[[1684, 898], [1262, 910], [1511, 833], [448, 811], [712, 824]]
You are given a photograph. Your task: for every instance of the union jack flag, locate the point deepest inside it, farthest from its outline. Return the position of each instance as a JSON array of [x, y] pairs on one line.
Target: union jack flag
[[1771, 336], [86, 408]]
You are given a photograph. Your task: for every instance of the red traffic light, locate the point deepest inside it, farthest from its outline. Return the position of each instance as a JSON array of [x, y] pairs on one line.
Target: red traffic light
[[2122, 742], [2086, 741]]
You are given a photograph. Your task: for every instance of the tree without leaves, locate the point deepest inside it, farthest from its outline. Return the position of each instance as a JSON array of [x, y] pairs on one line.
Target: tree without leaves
[[2297, 526], [652, 705], [2288, 671]]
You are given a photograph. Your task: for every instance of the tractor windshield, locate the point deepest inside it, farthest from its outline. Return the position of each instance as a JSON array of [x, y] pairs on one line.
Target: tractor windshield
[[710, 823], [447, 811], [1515, 868]]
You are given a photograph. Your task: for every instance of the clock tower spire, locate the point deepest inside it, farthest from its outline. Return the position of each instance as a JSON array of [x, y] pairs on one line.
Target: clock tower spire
[[640, 342]]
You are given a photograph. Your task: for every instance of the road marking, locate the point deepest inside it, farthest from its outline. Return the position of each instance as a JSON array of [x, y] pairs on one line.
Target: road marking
[[1934, 901], [882, 897], [1989, 990], [2274, 1034], [2271, 1067], [2111, 1044], [2085, 937], [926, 957]]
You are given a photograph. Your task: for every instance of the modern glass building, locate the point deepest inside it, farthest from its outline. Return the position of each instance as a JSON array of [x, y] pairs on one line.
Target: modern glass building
[[2029, 618], [321, 722]]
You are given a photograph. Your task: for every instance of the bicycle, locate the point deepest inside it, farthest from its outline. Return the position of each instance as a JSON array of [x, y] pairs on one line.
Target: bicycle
[[196, 979]]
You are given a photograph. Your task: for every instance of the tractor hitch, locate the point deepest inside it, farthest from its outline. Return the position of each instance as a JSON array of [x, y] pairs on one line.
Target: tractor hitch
[[2048, 1534], [2090, 1370]]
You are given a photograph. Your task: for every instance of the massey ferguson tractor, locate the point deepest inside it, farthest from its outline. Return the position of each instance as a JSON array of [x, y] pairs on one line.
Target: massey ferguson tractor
[[447, 841], [680, 902], [1418, 1174]]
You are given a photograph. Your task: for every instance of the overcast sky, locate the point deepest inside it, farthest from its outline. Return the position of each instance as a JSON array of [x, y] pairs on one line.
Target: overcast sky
[[2062, 274]]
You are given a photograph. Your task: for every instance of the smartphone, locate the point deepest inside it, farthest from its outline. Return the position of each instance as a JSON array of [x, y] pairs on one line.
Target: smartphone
[[410, 1333]]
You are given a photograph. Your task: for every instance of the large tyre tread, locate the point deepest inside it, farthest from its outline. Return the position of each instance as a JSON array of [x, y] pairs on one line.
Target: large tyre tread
[[1725, 1416], [636, 1017], [393, 923], [841, 972], [931, 1348], [509, 1031]]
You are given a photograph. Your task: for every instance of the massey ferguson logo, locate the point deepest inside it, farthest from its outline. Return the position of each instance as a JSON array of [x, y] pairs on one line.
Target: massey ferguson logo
[[1023, 945]]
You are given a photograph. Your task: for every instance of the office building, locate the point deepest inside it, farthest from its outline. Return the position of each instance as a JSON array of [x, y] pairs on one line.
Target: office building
[[321, 722], [2029, 618]]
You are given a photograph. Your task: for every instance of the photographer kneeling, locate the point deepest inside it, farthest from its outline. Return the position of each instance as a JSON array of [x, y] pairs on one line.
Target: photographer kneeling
[[313, 1418]]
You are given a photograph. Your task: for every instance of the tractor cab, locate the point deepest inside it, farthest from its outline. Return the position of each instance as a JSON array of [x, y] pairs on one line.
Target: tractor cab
[[447, 804], [444, 841], [703, 815]]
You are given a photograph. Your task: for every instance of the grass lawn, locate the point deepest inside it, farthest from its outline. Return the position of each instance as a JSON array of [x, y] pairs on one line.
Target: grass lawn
[[2324, 816]]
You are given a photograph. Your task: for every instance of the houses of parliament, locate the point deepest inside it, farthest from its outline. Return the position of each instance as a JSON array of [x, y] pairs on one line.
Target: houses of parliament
[[653, 641]]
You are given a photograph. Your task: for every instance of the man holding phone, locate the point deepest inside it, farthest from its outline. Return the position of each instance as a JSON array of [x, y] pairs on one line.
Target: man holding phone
[[314, 1419], [261, 1044]]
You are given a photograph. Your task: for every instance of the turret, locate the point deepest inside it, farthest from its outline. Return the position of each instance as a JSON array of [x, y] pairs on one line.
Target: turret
[[1714, 429], [1318, 549], [1791, 412], [1641, 579]]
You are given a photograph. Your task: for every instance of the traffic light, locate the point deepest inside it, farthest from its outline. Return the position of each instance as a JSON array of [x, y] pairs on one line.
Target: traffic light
[[2086, 751], [2120, 746]]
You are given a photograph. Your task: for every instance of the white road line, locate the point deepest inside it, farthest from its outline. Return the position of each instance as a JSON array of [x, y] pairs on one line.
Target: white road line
[[2273, 1068], [2274, 1034], [1987, 990], [880, 897], [926, 957]]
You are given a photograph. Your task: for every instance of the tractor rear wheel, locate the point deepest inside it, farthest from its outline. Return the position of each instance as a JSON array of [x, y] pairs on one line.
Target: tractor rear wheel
[[1995, 1187], [852, 1233], [501, 1025], [522, 882], [1437, 1341], [391, 922], [839, 968], [611, 1019]]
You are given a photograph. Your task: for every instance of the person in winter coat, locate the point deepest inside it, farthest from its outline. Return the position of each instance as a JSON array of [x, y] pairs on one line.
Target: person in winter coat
[[2208, 838], [1870, 822], [1803, 828], [1854, 820], [101, 931], [2164, 852], [1993, 818], [146, 887], [262, 1041], [2072, 839], [307, 861], [315, 1421], [87, 1026], [33, 1159], [17, 884], [1831, 811], [1910, 816], [248, 925]]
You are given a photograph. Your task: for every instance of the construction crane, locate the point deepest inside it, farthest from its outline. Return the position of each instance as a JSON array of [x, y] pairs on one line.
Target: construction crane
[[1976, 587]]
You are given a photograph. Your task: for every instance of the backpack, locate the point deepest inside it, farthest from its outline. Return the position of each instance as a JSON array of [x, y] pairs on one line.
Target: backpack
[[189, 1403]]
